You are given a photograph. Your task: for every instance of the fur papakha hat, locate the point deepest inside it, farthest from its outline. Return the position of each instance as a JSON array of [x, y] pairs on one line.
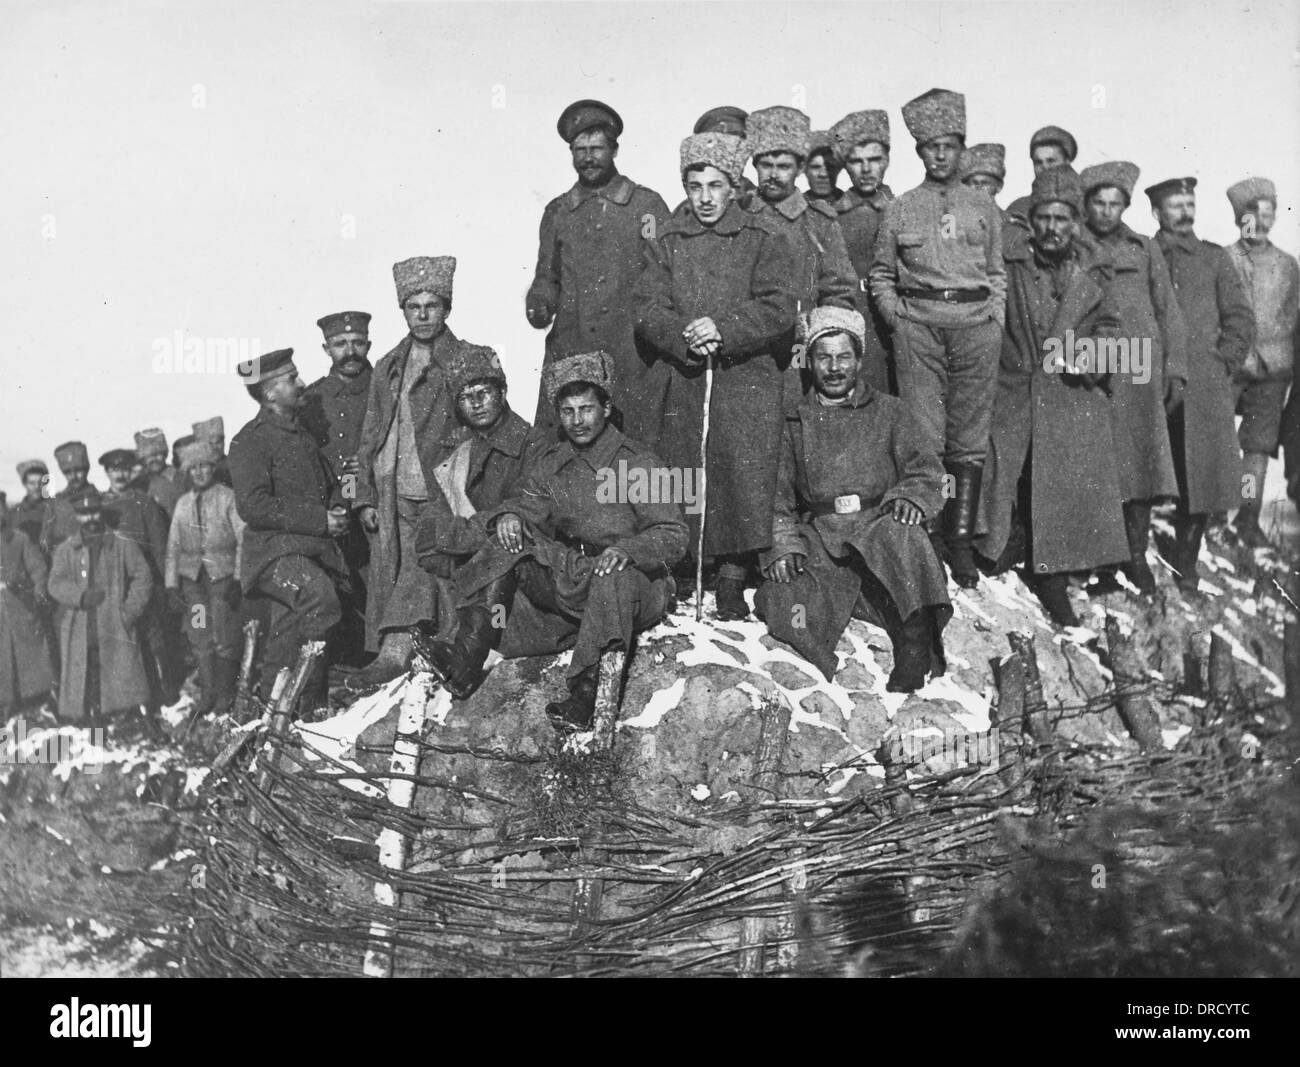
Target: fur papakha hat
[[820, 321], [722, 150], [778, 129], [936, 113], [1119, 173], [986, 158], [597, 368], [860, 127], [424, 274]]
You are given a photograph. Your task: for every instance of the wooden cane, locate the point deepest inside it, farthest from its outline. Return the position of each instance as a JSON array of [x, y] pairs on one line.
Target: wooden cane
[[704, 488]]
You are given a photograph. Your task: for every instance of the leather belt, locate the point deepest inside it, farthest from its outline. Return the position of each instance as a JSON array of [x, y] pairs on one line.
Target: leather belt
[[848, 504], [947, 296], [578, 545]]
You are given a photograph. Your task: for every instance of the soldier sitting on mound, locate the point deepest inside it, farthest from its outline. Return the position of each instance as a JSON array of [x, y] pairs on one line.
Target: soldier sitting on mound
[[593, 569], [855, 487]]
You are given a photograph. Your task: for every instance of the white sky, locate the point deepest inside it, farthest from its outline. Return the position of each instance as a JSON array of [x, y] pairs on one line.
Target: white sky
[[131, 214]]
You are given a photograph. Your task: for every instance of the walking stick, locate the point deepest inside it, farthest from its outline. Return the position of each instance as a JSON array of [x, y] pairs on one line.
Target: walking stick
[[704, 488]]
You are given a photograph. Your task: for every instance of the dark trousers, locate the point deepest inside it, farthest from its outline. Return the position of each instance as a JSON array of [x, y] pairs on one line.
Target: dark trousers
[[211, 620], [304, 606]]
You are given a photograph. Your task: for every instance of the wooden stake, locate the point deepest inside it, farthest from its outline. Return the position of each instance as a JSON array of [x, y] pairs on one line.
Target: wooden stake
[[242, 709], [1135, 706], [1222, 673], [609, 692], [704, 488], [1035, 704]]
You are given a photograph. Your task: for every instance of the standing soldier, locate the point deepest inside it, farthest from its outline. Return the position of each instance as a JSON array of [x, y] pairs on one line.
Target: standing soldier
[[730, 120], [161, 482], [134, 514], [1220, 332], [25, 672], [29, 513], [474, 473], [1049, 406], [1049, 147], [592, 568], [102, 584], [213, 430], [334, 409], [862, 146], [202, 575], [1271, 280], [1148, 313], [823, 275], [409, 402], [853, 489], [821, 170], [294, 513], [589, 252], [61, 521], [717, 285], [941, 285]]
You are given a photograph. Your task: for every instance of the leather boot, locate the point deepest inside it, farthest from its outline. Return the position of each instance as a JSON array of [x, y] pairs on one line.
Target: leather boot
[[959, 521], [1053, 591], [314, 701], [913, 641], [731, 599], [459, 660], [227, 684], [1189, 531], [1137, 527], [207, 664], [394, 659], [575, 711]]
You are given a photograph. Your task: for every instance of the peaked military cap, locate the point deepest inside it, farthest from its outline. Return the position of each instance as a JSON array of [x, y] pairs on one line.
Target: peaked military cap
[[582, 115], [1063, 139], [344, 322], [87, 500], [1157, 193], [725, 119], [936, 113], [258, 369], [118, 457]]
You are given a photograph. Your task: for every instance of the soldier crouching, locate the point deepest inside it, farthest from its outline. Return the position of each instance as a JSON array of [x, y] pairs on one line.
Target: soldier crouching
[[854, 489], [593, 571]]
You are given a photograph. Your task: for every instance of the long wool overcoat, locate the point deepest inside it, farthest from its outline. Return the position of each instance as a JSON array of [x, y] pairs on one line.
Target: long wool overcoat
[[1220, 333], [1077, 520], [738, 273], [123, 573], [24, 660]]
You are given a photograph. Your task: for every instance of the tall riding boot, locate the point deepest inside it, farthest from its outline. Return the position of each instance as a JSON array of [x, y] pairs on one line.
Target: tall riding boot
[[1137, 528], [577, 709], [731, 604], [207, 682], [913, 640], [1249, 532], [394, 659], [1189, 530], [959, 518], [479, 628], [1053, 591]]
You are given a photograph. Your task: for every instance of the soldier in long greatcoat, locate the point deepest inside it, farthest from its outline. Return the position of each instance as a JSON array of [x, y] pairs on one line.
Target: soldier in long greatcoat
[[1151, 321], [25, 672], [717, 283], [590, 252], [1220, 332], [1050, 458], [73, 460]]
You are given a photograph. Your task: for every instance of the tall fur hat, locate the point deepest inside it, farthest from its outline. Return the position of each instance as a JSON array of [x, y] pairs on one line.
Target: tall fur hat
[[1057, 184], [722, 150], [860, 127], [424, 274], [778, 129], [986, 158], [1245, 192], [936, 113], [594, 367]]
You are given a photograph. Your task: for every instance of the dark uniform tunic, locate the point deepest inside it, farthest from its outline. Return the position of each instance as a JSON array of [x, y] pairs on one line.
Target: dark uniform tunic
[[871, 449], [29, 516], [283, 491], [860, 218], [588, 259], [575, 503]]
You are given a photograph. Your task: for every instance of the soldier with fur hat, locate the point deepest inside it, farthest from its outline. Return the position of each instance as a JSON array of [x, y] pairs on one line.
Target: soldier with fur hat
[[853, 490], [1220, 333], [862, 146], [717, 284], [577, 557], [1049, 147], [940, 283], [1271, 281], [160, 481], [409, 403], [214, 431], [589, 252], [60, 520]]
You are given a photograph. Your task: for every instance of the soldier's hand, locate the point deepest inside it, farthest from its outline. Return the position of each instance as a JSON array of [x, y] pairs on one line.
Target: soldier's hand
[[539, 313], [510, 532], [786, 567], [701, 330], [337, 521], [1174, 394], [907, 513], [611, 560], [369, 519]]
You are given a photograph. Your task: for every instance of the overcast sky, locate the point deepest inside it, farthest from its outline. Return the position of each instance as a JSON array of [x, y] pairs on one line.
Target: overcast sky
[[238, 170]]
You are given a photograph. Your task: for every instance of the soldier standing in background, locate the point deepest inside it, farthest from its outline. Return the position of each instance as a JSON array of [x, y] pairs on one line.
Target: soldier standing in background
[[862, 146], [160, 482], [1049, 147], [29, 513], [1271, 281], [821, 170], [334, 410], [25, 668], [1220, 332], [61, 520], [590, 253]]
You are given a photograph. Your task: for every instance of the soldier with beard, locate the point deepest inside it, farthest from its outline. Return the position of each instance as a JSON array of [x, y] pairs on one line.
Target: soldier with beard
[[334, 409]]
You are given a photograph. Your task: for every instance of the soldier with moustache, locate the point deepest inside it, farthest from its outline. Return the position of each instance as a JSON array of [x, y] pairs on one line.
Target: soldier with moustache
[[161, 482], [61, 520]]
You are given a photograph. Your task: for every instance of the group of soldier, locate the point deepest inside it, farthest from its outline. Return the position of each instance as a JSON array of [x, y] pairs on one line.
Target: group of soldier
[[831, 395]]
